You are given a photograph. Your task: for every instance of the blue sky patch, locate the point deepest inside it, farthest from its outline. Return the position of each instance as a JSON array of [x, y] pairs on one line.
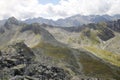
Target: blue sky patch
[[48, 1]]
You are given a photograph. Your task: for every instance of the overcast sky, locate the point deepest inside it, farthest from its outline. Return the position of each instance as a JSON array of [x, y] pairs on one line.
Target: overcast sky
[[54, 9]]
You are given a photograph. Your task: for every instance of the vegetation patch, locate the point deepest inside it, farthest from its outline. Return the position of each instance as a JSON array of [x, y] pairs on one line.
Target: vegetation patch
[[55, 51], [64, 54], [106, 55], [94, 67]]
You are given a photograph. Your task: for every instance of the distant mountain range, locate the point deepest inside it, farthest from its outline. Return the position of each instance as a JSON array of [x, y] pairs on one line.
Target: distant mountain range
[[76, 20]]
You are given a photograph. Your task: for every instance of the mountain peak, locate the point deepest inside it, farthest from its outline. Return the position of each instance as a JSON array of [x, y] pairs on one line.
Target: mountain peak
[[10, 21], [12, 18]]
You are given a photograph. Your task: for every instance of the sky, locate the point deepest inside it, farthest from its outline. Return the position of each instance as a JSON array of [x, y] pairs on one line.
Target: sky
[[55, 9], [48, 1]]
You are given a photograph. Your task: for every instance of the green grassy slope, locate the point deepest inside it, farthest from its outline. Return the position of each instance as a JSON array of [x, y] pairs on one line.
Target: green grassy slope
[[95, 67]]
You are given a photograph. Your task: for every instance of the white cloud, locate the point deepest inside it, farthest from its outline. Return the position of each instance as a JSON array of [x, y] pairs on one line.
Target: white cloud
[[23, 9]]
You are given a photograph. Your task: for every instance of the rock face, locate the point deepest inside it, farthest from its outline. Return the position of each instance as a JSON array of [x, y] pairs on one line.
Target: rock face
[[17, 63], [115, 25], [11, 21]]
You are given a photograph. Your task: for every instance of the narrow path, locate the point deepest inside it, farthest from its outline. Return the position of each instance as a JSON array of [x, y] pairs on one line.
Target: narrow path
[[75, 53]]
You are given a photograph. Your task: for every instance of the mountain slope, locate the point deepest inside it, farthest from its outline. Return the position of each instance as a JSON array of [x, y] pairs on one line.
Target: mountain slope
[[100, 39], [46, 47], [14, 30]]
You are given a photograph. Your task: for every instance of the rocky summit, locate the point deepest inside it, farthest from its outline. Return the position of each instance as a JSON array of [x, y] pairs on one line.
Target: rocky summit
[[17, 63]]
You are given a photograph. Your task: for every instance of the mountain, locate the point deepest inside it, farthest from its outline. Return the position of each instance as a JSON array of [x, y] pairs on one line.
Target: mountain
[[101, 39], [103, 36], [40, 51], [76, 20], [114, 25], [40, 20], [2, 22], [31, 34]]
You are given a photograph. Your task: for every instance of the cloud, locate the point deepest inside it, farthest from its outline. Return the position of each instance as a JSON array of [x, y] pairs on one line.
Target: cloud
[[23, 9]]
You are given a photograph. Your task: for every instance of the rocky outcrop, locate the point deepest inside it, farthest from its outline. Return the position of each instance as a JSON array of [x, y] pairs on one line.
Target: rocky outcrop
[[17, 63], [106, 34], [115, 25]]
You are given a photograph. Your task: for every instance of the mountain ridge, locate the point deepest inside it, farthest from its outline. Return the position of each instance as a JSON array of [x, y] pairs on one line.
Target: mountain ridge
[[76, 20], [85, 52]]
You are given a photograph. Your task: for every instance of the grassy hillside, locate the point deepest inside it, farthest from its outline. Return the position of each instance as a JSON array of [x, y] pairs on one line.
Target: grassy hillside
[[62, 56], [94, 67], [105, 55], [91, 67]]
